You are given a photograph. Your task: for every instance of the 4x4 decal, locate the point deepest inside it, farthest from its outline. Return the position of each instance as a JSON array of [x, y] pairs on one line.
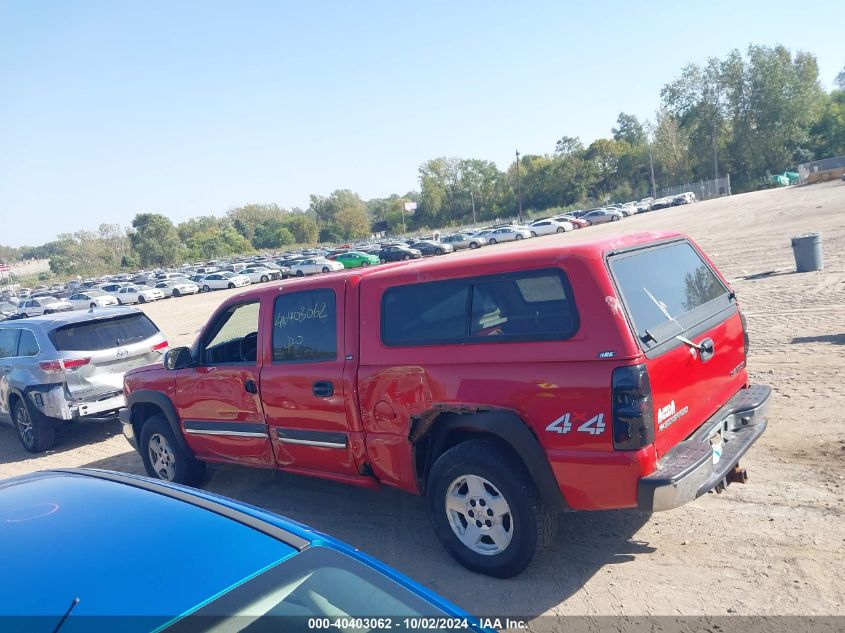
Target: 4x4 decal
[[594, 426]]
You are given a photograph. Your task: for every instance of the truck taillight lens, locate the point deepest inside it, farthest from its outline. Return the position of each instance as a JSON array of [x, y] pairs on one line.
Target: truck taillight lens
[[633, 417], [59, 366], [744, 332]]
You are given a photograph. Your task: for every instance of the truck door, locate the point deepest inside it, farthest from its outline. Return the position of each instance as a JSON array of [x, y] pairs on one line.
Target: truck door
[[302, 385], [217, 399]]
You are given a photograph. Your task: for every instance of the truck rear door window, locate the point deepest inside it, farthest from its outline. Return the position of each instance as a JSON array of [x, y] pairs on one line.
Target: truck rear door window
[[99, 334], [305, 327], [667, 289], [532, 305]]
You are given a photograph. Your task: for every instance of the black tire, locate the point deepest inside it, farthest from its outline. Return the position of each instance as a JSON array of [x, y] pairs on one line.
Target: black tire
[[48, 312], [24, 315], [206, 288], [532, 526], [439, 251], [519, 236], [31, 427], [614, 218], [492, 240], [533, 234], [141, 299], [560, 229], [364, 264], [175, 292], [264, 279], [230, 286], [186, 469], [473, 244], [93, 305], [299, 273], [325, 269]]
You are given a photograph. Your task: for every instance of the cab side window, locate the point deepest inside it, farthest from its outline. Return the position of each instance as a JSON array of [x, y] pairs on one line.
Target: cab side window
[[305, 327], [233, 338]]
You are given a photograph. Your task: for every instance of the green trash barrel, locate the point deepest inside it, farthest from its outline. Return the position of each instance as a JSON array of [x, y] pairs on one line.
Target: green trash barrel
[[807, 249]]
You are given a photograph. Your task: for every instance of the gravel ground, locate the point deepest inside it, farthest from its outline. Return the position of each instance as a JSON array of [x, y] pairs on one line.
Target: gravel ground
[[772, 547]]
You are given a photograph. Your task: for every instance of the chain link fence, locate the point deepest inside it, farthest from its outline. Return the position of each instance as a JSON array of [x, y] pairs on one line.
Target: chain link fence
[[819, 170], [703, 189]]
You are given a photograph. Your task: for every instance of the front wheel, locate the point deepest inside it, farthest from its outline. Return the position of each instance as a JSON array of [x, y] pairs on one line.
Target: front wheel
[[175, 293], [31, 429], [533, 234], [364, 264], [473, 244], [560, 229], [486, 510], [164, 458], [141, 299], [206, 288], [492, 240], [439, 251], [325, 269], [230, 286], [93, 305], [615, 218], [406, 258], [264, 279], [519, 237], [299, 273]]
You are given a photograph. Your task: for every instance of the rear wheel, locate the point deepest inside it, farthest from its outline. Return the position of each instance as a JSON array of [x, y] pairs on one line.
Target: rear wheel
[[325, 269], [364, 264], [439, 251], [141, 299], [24, 315], [486, 510], [519, 236], [264, 279], [533, 234], [48, 312], [492, 240], [560, 229], [299, 273], [406, 258], [206, 288], [164, 458], [93, 305], [473, 244], [31, 429], [614, 218], [175, 293]]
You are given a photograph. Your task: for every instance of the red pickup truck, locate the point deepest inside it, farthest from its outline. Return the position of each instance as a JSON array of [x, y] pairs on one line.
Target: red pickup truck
[[506, 385]]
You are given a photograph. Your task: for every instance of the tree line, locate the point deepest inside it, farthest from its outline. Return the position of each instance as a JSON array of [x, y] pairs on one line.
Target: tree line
[[750, 114]]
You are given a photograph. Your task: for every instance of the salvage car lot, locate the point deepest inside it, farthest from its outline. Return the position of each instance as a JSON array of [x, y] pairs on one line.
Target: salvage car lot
[[771, 547]]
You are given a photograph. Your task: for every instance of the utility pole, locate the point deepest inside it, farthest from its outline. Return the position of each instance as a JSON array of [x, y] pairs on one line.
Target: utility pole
[[518, 189], [472, 197], [715, 156], [651, 165]]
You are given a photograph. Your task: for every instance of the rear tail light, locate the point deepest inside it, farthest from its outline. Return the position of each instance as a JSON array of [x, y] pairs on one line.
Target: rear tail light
[[159, 346], [633, 417], [59, 366], [744, 332]]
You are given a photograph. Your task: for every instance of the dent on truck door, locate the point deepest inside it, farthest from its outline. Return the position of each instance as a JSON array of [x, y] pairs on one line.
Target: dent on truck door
[[302, 386]]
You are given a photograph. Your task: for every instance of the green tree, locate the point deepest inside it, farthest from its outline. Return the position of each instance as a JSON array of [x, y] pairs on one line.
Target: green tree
[[840, 79], [155, 240], [302, 227], [343, 214], [629, 130]]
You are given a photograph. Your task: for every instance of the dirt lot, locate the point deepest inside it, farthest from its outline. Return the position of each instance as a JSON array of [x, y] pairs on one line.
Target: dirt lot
[[775, 546]]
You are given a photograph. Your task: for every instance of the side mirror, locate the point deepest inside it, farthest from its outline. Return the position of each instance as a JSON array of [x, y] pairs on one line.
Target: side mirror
[[178, 358]]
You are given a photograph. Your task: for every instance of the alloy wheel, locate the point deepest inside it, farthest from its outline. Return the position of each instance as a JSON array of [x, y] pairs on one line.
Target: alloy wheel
[[161, 457], [479, 515], [24, 424]]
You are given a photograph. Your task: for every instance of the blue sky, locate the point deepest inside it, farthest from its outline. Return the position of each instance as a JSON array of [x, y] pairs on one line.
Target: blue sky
[[110, 108]]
